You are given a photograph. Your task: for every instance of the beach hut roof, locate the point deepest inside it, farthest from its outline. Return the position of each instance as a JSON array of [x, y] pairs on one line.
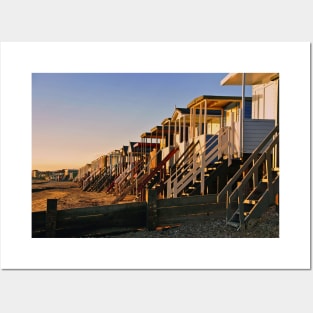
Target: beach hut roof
[[250, 78], [215, 102], [125, 149], [186, 112], [157, 130], [183, 110]]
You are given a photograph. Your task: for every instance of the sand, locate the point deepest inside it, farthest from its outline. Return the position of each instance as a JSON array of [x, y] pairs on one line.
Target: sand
[[69, 196]]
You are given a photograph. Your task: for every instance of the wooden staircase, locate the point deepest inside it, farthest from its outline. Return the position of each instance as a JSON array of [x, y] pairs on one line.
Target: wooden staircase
[[215, 177], [156, 176], [192, 168], [146, 177], [124, 179], [88, 182], [101, 181], [253, 188]]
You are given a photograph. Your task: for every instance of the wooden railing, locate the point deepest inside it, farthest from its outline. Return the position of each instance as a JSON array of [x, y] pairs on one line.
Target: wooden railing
[[137, 183], [252, 159], [225, 144], [196, 160], [160, 167], [126, 177], [87, 181], [236, 189]]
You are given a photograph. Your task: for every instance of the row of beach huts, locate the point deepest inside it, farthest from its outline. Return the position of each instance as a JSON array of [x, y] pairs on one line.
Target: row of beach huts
[[226, 146]]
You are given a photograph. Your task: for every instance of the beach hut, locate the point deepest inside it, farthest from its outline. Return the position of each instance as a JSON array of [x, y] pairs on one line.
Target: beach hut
[[214, 115], [181, 121], [206, 134]]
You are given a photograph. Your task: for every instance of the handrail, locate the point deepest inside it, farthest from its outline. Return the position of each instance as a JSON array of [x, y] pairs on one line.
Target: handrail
[[140, 179], [97, 178], [256, 165], [256, 151], [129, 170], [102, 179], [92, 175], [185, 155], [241, 192], [159, 166], [224, 144], [209, 158], [147, 166], [208, 144], [209, 151], [125, 175]]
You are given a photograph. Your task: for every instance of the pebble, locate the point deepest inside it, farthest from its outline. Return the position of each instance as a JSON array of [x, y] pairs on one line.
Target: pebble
[[212, 227]]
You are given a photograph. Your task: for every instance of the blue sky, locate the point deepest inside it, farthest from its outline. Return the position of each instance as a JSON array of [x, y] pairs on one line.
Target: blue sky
[[77, 117]]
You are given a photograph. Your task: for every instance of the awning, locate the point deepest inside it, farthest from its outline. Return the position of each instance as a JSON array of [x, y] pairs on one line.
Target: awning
[[213, 102], [250, 78], [157, 130]]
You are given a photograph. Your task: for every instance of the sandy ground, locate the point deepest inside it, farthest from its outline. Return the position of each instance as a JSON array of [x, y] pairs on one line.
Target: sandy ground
[[69, 196]]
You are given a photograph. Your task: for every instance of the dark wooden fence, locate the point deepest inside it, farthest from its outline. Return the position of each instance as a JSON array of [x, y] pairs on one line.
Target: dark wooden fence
[[117, 218]]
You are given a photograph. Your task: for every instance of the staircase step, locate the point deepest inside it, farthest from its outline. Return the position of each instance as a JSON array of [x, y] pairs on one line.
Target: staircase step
[[235, 217], [257, 192], [248, 201], [191, 187], [218, 162], [233, 224]]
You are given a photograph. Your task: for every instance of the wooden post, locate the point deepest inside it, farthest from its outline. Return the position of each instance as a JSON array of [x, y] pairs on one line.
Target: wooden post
[[270, 177], [151, 196], [241, 209], [51, 216]]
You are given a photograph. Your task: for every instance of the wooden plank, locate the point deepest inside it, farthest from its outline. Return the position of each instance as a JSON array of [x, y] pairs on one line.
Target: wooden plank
[[39, 224], [255, 131], [73, 222], [182, 201], [101, 209], [101, 224], [38, 220], [133, 216], [167, 212]]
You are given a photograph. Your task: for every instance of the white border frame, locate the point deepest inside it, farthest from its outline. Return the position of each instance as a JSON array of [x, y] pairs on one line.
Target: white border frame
[[20, 251]]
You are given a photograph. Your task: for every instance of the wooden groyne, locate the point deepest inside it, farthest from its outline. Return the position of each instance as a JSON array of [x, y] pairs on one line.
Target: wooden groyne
[[117, 218]]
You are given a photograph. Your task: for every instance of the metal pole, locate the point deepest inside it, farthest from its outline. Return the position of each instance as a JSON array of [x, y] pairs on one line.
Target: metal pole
[[163, 139], [242, 111], [205, 120]]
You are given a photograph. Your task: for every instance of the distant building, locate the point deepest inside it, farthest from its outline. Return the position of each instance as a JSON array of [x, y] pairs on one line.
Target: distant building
[[35, 173], [71, 173]]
